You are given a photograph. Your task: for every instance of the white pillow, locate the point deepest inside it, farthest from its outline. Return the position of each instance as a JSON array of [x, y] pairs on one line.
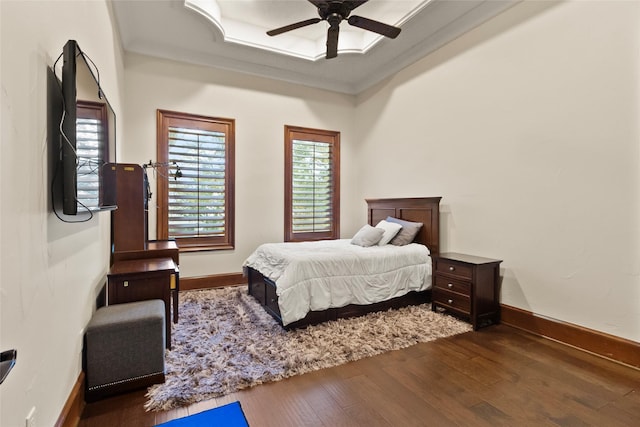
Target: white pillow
[[367, 236], [390, 231]]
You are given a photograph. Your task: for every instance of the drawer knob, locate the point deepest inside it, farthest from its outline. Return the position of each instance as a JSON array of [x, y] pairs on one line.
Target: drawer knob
[[451, 268], [450, 301], [450, 285], [273, 300]]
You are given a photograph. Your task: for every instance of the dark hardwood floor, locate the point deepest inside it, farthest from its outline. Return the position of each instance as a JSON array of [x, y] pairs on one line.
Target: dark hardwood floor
[[496, 376]]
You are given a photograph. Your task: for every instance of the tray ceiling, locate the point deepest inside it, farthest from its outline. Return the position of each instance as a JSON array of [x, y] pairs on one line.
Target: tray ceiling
[[231, 34]]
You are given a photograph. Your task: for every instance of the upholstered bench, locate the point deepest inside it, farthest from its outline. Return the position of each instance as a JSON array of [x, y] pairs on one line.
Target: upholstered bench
[[124, 348]]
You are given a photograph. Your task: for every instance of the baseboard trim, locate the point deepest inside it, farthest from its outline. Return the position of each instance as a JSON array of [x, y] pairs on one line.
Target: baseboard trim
[[609, 346], [72, 410], [212, 281]]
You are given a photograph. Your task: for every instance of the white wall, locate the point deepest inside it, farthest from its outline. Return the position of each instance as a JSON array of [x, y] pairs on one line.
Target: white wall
[[50, 271], [261, 108], [528, 127]]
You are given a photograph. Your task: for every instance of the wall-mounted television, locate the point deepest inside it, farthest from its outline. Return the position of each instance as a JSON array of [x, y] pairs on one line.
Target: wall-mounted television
[[87, 139]]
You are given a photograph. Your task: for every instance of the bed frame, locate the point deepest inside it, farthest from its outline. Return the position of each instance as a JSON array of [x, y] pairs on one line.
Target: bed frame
[[420, 209]]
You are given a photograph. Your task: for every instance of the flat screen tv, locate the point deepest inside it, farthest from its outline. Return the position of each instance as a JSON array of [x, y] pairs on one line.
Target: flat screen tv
[[87, 138]]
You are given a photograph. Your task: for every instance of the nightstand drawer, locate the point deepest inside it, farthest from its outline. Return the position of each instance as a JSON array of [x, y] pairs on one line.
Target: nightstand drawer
[[451, 299], [461, 270], [452, 285]]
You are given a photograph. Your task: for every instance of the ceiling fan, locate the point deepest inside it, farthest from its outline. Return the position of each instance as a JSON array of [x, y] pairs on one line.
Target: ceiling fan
[[334, 11]]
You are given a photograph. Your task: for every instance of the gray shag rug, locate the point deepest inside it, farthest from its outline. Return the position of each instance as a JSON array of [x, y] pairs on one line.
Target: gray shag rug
[[225, 341]]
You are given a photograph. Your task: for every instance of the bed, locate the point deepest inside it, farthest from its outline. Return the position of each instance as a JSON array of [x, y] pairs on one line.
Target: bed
[[263, 281]]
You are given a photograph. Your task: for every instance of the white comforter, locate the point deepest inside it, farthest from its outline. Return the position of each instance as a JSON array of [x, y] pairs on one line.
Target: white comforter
[[312, 276]]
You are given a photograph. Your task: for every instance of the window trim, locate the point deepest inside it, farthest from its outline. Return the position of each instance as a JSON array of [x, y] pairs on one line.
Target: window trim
[[166, 119], [316, 135]]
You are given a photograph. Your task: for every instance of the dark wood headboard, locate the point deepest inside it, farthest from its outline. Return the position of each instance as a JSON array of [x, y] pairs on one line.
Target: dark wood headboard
[[416, 209]]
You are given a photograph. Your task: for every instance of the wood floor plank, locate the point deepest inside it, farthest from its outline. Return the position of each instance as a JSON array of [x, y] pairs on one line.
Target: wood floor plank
[[459, 386], [625, 410], [164, 416], [492, 415], [291, 405], [357, 407], [553, 354], [455, 383], [453, 409], [327, 410], [524, 406], [544, 395], [359, 410], [592, 367], [496, 348], [469, 367], [101, 413], [576, 386], [406, 409]]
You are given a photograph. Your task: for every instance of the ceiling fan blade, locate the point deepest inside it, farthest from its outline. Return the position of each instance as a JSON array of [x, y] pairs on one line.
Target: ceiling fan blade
[[293, 26], [332, 41], [375, 26]]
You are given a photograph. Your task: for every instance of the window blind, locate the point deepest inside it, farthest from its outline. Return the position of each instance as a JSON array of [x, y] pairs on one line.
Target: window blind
[[88, 151], [312, 183], [196, 200]]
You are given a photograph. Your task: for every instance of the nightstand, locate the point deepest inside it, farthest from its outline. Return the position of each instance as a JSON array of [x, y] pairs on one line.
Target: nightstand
[[140, 280], [468, 286]]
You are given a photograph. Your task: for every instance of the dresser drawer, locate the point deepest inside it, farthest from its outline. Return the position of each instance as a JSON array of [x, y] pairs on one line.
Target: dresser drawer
[[458, 286], [450, 299], [448, 267]]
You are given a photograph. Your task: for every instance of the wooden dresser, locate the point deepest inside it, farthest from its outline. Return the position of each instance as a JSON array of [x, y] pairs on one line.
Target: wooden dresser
[[468, 286], [150, 268]]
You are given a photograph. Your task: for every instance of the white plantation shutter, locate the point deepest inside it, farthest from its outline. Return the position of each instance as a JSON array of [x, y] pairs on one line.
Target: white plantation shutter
[[312, 187], [196, 208], [90, 152], [312, 184], [197, 198]]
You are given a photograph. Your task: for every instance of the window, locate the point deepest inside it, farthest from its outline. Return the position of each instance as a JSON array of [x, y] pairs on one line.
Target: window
[[312, 184], [195, 192], [91, 150]]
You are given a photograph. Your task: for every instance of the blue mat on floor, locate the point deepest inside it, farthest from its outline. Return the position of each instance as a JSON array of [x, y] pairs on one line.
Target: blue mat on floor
[[229, 415]]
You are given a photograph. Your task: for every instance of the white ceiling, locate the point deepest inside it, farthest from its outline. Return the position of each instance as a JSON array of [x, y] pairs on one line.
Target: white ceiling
[[231, 34]]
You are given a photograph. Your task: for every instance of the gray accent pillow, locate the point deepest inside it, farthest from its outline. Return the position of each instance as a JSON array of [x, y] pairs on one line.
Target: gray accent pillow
[[367, 236], [407, 233]]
